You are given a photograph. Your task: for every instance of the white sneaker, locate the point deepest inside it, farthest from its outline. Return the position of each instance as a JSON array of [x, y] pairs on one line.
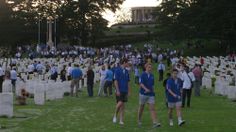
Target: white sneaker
[[155, 125], [139, 124], [171, 123], [181, 122], [114, 119], [121, 123]]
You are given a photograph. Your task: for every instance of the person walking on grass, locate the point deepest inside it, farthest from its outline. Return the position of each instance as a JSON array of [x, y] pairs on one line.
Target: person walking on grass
[[168, 76], [197, 71], [147, 95], [121, 77], [136, 75], [174, 98], [54, 72], [63, 74], [102, 73], [108, 82], [69, 71], [188, 79], [1, 77], [13, 78], [76, 75], [161, 68], [90, 81]]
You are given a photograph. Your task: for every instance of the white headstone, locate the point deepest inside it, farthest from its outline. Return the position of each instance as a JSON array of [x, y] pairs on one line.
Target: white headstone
[[39, 94], [50, 92], [231, 93], [7, 86], [6, 104]]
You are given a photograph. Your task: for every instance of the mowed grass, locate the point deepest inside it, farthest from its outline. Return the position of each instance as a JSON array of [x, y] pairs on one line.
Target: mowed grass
[[211, 47], [209, 113]]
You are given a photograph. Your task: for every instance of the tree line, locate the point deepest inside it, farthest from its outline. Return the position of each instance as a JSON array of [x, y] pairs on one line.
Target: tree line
[[81, 21], [78, 21], [189, 19]]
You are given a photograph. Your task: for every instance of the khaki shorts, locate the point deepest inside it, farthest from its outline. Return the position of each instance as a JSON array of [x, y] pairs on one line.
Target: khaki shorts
[[173, 105], [75, 83], [143, 99]]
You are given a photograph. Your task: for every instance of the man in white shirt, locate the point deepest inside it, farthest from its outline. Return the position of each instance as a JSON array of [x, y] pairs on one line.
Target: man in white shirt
[[1, 77], [160, 57], [161, 68], [13, 78], [18, 55], [69, 71], [31, 69], [188, 79], [102, 79]]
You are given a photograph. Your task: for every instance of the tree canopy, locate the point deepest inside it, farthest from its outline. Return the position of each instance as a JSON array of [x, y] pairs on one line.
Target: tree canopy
[[12, 29], [79, 20], [198, 18]]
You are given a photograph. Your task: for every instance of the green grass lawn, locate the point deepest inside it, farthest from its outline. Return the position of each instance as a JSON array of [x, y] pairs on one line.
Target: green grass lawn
[[137, 29], [208, 113], [211, 47]]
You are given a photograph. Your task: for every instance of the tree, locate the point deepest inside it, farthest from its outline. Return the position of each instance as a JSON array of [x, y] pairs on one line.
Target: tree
[[214, 19], [13, 30], [168, 14], [82, 16], [76, 17]]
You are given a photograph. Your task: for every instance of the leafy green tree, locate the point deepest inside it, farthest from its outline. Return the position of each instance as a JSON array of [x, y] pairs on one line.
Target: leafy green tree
[[213, 19], [12, 29], [77, 18]]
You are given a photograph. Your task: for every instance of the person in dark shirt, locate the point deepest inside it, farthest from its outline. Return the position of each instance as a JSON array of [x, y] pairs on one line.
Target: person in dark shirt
[[1, 77], [63, 74], [90, 81]]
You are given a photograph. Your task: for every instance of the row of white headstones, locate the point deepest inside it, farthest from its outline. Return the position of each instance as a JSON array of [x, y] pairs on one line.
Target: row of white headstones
[[223, 83], [50, 90], [40, 86]]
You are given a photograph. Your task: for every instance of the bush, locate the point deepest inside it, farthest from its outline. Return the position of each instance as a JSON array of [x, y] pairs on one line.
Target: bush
[[122, 39]]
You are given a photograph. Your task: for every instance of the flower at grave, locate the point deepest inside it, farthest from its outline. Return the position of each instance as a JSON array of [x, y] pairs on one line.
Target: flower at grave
[[213, 76], [23, 96], [24, 93], [213, 80]]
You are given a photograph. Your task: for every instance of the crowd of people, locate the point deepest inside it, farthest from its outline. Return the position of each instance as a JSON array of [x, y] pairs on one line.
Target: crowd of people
[[117, 63]]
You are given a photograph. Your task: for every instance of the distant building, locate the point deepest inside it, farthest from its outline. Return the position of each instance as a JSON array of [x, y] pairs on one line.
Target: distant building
[[142, 14]]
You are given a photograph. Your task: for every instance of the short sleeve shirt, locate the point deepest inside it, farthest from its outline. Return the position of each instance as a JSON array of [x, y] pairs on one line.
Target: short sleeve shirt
[[122, 77], [174, 86], [148, 81]]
